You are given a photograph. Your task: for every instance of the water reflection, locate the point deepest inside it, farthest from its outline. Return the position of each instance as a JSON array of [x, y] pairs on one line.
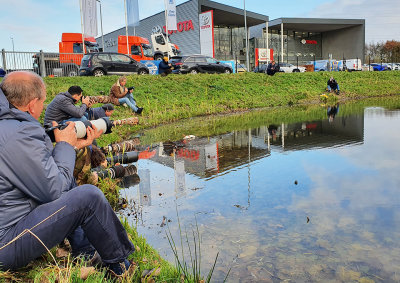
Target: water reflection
[[338, 222]]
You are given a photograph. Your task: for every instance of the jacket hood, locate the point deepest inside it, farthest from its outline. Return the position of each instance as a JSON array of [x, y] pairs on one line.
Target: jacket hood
[[12, 113]]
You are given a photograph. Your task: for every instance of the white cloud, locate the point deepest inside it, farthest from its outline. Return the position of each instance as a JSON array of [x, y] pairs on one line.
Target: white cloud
[[382, 18]]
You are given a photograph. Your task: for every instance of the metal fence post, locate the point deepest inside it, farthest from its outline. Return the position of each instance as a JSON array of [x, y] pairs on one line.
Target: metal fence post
[[42, 66], [3, 55], [369, 63]]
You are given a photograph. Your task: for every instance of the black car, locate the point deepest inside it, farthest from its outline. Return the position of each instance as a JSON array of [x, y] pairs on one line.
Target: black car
[[194, 64], [107, 63]]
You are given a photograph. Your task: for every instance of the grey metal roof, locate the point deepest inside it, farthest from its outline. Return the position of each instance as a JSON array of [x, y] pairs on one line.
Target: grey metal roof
[[225, 15], [314, 24]]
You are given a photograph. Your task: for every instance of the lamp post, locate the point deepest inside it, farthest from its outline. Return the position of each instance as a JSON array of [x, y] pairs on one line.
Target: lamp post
[[101, 25], [12, 41], [247, 36]]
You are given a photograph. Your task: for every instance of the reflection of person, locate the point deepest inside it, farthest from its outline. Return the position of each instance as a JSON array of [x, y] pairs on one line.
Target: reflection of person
[[62, 108], [272, 68], [37, 188], [272, 131], [119, 94], [332, 111], [165, 68], [99, 112], [333, 85]]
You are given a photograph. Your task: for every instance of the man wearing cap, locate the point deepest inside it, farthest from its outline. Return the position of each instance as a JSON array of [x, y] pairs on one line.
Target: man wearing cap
[[62, 108], [165, 68], [99, 112]]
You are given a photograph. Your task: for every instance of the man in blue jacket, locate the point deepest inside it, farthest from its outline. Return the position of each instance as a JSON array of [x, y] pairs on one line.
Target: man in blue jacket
[[37, 188], [164, 68], [99, 112], [63, 108]]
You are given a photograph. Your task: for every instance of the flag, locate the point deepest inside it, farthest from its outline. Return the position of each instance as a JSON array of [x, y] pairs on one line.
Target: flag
[[132, 10], [89, 15], [170, 7]]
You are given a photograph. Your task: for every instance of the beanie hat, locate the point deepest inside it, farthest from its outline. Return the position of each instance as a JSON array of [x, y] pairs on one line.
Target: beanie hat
[[108, 107]]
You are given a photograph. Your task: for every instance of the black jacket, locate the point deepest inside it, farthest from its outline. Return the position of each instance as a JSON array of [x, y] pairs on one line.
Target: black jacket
[[333, 84], [62, 108]]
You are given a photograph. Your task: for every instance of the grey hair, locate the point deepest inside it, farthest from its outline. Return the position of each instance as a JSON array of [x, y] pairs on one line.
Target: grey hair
[[22, 87]]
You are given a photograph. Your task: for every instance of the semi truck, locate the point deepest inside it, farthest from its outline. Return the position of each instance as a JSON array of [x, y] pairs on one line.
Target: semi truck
[[140, 48], [68, 60]]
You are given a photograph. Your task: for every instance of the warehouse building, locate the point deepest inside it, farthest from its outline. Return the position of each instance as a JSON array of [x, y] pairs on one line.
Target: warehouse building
[[291, 39]]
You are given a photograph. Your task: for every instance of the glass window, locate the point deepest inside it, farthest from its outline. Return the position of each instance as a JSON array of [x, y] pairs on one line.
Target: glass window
[[190, 60], [160, 39], [200, 60], [103, 57], [211, 60], [120, 58], [147, 51], [77, 47], [135, 50]]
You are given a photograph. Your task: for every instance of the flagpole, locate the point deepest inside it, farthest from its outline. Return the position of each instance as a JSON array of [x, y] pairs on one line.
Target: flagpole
[[247, 36], [83, 31], [166, 28], [101, 23], [126, 28]]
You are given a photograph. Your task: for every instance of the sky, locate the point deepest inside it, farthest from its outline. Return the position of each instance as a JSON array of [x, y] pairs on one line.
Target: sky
[[34, 25]]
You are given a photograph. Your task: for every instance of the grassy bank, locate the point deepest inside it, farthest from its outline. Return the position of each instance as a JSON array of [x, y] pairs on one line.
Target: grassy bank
[[167, 99]]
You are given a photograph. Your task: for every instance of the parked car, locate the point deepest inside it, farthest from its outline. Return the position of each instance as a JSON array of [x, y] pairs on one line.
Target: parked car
[[109, 63], [2, 73], [262, 68], [290, 68], [378, 67], [194, 64]]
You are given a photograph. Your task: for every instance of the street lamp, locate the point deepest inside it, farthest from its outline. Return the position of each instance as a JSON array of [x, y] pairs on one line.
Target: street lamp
[[12, 41], [101, 24]]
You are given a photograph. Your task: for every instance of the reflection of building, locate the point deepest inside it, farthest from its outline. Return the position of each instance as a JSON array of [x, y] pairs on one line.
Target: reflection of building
[[144, 187], [206, 157]]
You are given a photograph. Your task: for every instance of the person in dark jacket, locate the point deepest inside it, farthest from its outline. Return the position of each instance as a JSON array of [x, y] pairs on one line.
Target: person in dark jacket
[[37, 187], [333, 85], [99, 112], [272, 68], [63, 108], [164, 68]]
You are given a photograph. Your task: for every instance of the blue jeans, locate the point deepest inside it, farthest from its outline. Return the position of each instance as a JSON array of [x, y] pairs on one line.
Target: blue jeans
[[84, 214], [129, 100], [329, 88]]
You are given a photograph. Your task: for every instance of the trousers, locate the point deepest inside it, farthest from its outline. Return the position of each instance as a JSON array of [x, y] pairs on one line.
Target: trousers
[[129, 100], [84, 214]]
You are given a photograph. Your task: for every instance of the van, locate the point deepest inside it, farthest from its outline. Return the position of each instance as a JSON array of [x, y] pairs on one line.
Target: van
[[324, 65], [350, 65]]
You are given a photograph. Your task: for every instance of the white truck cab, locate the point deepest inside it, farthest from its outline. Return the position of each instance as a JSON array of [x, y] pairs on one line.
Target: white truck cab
[[161, 48]]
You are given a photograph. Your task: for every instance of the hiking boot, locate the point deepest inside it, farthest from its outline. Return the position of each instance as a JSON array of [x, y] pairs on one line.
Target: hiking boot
[[139, 111], [121, 270]]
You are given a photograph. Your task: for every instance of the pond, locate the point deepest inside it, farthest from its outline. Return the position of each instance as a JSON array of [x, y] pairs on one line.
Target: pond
[[281, 194]]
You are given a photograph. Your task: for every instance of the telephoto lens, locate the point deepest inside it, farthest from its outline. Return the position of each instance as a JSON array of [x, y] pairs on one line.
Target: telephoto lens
[[80, 127], [114, 172], [125, 158]]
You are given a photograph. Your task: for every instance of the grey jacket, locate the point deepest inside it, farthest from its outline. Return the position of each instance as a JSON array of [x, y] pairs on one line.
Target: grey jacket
[[62, 108], [32, 172]]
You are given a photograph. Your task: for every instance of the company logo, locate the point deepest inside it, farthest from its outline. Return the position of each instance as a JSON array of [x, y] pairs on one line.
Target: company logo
[[152, 67], [110, 42], [306, 41], [205, 21], [182, 26], [156, 29]]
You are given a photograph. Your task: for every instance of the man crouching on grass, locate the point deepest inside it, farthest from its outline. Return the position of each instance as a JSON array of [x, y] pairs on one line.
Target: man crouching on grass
[[38, 191]]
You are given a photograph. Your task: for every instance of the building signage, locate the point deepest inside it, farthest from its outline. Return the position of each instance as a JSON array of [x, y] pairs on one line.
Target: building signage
[[182, 26], [206, 21], [263, 55], [307, 41]]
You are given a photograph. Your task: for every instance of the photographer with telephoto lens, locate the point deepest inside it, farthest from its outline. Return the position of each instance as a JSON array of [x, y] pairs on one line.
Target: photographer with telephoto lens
[[37, 188]]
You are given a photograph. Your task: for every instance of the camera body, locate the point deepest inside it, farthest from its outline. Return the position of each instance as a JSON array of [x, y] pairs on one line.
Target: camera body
[[80, 127], [131, 88]]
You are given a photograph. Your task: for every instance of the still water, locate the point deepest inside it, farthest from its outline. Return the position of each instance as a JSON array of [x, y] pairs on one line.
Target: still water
[[317, 200]]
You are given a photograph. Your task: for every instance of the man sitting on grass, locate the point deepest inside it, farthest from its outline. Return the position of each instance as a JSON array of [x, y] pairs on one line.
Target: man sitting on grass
[[39, 198]]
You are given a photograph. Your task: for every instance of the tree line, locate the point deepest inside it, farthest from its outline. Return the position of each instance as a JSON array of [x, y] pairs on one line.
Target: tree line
[[388, 51]]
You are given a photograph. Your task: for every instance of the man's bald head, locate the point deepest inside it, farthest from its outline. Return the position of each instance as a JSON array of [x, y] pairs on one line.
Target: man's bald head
[[21, 87]]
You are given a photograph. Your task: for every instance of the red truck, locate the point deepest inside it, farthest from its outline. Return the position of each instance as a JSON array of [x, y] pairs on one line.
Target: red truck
[[68, 60]]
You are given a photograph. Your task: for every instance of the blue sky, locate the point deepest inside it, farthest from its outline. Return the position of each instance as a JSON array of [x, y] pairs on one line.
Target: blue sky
[[38, 24]]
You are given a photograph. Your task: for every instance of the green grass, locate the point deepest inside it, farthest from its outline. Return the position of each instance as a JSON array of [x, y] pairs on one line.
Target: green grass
[[176, 97]]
